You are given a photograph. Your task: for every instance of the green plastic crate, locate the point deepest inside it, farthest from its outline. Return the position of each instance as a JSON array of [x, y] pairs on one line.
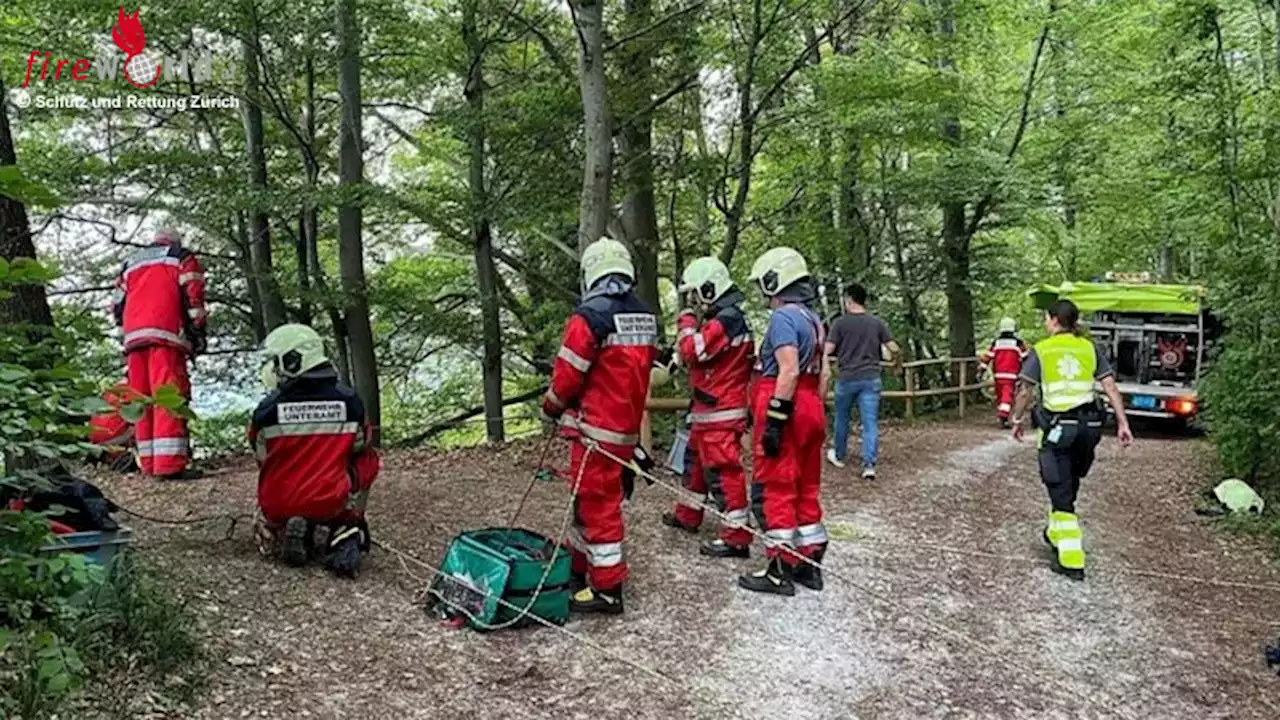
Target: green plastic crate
[[99, 546], [481, 566]]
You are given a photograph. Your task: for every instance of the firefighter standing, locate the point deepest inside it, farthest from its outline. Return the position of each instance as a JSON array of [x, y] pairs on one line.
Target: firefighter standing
[[716, 346], [315, 463], [1068, 419], [1004, 360], [790, 426], [160, 306], [598, 389]]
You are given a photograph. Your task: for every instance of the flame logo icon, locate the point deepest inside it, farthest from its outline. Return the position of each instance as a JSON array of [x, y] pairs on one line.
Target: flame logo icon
[[129, 36]]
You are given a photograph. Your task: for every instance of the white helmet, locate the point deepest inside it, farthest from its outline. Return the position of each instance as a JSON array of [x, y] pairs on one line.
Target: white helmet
[[605, 256], [708, 277], [1008, 325], [778, 269], [291, 350]]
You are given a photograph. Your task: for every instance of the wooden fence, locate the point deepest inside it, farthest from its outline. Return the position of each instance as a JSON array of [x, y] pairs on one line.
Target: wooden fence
[[960, 379]]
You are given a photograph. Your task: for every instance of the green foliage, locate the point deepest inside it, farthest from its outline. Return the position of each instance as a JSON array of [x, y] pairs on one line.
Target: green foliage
[[222, 433], [61, 616]]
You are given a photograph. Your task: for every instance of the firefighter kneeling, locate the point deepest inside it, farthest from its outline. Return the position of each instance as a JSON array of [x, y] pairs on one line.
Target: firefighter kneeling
[[716, 346], [598, 390], [790, 427], [315, 462]]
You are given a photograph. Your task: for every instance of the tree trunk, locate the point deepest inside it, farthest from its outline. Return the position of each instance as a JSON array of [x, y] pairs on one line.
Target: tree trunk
[[273, 310], [27, 304], [364, 365], [639, 206], [853, 224], [955, 236], [481, 235], [746, 139], [702, 243], [597, 170], [244, 260]]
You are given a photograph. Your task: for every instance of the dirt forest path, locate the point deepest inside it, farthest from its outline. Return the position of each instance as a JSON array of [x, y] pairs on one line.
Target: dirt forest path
[[941, 604]]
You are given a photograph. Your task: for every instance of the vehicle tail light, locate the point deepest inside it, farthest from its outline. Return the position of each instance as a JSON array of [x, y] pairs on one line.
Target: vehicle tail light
[[1184, 407]]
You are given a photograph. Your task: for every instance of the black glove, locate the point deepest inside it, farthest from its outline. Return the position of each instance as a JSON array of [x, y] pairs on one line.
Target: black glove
[[199, 342], [642, 461], [775, 421]]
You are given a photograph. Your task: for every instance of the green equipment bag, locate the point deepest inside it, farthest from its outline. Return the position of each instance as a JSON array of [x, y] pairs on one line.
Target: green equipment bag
[[481, 566]]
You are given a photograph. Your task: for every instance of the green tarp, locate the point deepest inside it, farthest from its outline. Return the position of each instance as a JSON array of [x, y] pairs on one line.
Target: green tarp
[[1122, 297]]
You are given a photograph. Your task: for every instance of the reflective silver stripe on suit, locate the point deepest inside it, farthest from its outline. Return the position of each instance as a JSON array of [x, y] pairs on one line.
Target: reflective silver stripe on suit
[[601, 434], [1006, 344], [780, 537], [312, 428], [575, 360], [736, 518], [185, 278], [1006, 376], [815, 534], [144, 448], [631, 339], [687, 332], [740, 340], [156, 334], [150, 262], [604, 554], [716, 416], [700, 346], [169, 447], [554, 399]]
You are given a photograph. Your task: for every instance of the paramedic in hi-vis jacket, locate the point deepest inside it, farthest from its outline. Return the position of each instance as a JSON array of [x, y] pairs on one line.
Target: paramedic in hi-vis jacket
[[1068, 418]]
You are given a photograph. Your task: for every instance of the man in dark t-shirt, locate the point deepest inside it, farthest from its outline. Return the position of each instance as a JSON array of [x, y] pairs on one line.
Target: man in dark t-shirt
[[856, 341]]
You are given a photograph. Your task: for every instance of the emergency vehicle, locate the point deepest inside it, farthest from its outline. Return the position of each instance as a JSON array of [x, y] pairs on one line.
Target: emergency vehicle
[[1156, 336]]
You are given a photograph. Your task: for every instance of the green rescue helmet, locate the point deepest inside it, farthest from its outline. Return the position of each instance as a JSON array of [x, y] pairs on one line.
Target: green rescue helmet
[[1008, 325], [605, 256], [707, 278], [290, 351], [778, 269]]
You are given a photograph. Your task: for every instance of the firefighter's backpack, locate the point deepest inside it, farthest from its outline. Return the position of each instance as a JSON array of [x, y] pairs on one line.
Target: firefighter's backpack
[[528, 571]]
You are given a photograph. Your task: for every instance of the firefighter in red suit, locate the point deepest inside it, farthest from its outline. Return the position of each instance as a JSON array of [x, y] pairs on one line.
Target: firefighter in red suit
[[160, 306], [790, 426], [315, 461], [1004, 360], [598, 389], [715, 344], [111, 432]]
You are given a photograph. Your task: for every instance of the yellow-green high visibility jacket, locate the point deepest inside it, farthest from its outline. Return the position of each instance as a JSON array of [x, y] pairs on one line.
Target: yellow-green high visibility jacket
[[1067, 365]]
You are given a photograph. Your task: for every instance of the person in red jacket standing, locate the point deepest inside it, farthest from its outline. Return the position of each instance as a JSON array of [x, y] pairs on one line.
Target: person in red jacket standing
[[598, 389], [1004, 360], [160, 306], [790, 426], [315, 462], [716, 346]]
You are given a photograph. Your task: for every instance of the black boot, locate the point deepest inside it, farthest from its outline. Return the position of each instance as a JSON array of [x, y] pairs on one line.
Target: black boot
[[183, 475], [808, 575], [720, 549], [344, 551], [589, 600], [1072, 573], [296, 541], [773, 578], [577, 581], [670, 520]]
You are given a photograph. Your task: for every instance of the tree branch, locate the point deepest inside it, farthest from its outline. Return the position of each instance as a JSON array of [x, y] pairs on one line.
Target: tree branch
[[658, 24], [1028, 92], [460, 418]]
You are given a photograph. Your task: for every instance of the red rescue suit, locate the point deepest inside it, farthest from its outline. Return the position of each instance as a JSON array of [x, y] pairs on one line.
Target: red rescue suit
[[108, 430], [601, 374], [718, 353], [792, 481], [160, 306], [1004, 358], [311, 441]]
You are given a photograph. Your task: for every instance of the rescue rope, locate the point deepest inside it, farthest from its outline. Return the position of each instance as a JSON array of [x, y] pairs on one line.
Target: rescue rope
[[555, 550], [652, 672], [231, 529], [697, 501]]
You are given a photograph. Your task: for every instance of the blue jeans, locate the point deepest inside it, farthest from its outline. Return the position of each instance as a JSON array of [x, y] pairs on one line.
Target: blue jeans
[[866, 394]]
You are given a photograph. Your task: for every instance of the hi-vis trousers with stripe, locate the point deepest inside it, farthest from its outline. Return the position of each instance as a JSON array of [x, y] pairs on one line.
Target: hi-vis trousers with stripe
[[161, 436]]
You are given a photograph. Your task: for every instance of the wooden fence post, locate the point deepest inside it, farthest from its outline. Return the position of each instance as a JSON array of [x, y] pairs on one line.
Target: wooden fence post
[[910, 379], [964, 382]]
